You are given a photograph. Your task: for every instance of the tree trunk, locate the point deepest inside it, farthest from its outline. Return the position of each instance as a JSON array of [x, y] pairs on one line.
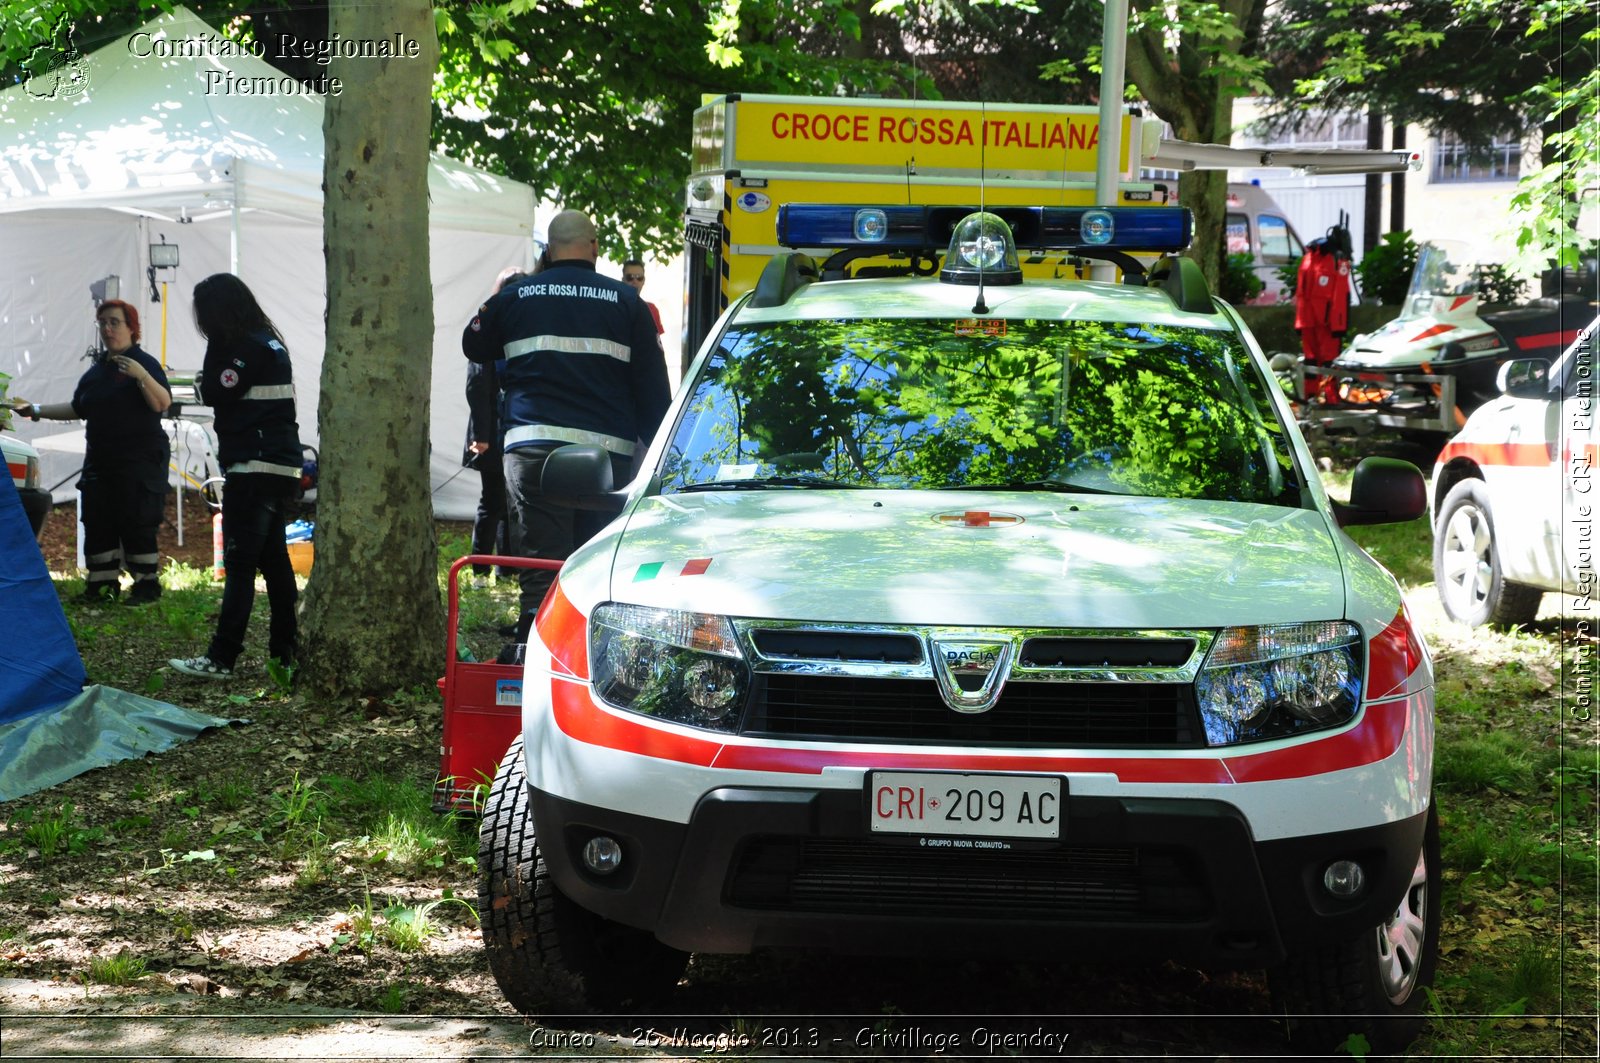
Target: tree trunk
[[373, 620], [1189, 90]]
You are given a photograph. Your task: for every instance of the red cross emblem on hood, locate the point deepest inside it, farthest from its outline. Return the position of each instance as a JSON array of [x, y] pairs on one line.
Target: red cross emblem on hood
[[978, 518]]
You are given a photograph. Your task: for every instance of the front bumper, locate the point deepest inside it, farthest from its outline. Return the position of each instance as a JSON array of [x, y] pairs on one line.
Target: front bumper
[[1135, 877]]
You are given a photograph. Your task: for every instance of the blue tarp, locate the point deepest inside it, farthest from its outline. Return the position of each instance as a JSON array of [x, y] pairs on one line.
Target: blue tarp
[[39, 664], [100, 726]]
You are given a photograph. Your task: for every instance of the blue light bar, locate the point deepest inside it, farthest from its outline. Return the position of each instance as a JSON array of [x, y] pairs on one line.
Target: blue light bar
[[1121, 228], [928, 228], [831, 225]]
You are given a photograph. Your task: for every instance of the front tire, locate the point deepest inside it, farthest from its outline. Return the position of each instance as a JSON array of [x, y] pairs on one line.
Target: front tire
[[1466, 563], [1372, 984], [547, 954]]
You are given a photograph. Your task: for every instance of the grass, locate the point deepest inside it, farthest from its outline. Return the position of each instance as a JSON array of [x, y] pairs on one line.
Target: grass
[[55, 832], [122, 969]]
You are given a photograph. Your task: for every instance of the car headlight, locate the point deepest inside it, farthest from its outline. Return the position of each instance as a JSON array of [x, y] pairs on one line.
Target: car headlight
[[1260, 683], [670, 664]]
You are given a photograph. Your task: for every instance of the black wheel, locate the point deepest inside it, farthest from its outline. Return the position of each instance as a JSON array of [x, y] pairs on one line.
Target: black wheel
[[1372, 984], [1466, 563], [547, 954]]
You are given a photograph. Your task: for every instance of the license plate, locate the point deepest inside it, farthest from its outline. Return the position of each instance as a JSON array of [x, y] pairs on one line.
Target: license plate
[[981, 806]]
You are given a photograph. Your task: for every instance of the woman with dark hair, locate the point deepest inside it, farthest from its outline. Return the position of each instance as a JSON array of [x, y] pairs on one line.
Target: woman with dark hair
[[248, 383], [120, 399]]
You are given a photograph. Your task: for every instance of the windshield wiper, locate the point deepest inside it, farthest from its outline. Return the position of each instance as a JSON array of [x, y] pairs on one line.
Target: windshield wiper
[[1033, 485], [758, 483]]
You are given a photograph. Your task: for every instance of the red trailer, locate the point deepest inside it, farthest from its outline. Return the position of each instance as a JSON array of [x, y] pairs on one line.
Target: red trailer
[[482, 705]]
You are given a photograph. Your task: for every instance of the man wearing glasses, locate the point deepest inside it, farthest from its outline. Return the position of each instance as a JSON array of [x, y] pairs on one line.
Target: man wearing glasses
[[633, 273]]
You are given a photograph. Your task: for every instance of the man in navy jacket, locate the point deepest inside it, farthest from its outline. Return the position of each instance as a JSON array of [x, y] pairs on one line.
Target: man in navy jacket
[[583, 364]]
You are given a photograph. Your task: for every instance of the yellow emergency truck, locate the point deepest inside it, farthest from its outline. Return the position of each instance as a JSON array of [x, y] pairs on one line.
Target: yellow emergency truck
[[753, 154]]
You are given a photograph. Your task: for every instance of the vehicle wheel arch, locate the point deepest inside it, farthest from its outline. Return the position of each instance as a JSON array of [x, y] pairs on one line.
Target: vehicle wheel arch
[[1451, 474]]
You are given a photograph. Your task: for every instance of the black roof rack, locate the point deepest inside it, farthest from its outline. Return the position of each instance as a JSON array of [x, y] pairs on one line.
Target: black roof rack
[[1183, 281], [782, 277]]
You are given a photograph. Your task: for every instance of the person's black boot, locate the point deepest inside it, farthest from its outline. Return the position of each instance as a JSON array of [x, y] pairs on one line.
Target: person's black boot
[[144, 592], [100, 593]]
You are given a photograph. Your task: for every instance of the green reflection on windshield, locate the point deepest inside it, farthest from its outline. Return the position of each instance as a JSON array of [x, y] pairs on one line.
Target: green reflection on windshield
[[938, 404]]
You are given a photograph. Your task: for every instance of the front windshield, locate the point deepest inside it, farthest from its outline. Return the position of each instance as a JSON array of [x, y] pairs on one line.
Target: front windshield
[[940, 404], [1444, 267]]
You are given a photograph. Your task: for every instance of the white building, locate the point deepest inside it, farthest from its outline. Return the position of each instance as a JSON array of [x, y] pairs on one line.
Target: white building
[[1453, 197]]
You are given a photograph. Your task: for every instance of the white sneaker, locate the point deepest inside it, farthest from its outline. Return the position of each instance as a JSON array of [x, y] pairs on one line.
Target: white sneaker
[[201, 666]]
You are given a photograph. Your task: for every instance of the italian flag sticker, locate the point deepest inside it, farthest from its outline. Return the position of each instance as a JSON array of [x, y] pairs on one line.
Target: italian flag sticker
[[650, 571]]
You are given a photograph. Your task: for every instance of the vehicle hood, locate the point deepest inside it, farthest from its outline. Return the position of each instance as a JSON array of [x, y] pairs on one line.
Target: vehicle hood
[[971, 558]]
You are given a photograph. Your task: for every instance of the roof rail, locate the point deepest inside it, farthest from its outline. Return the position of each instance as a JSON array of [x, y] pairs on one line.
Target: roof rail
[[1182, 279], [782, 277]]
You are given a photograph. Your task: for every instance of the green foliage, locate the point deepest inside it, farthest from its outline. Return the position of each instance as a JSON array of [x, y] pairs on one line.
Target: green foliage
[[1480, 69], [1153, 411], [55, 833], [393, 999], [402, 927], [595, 109], [1535, 975], [122, 969], [282, 674], [1240, 282], [1385, 271], [1480, 762], [1288, 275], [1497, 284], [409, 928]]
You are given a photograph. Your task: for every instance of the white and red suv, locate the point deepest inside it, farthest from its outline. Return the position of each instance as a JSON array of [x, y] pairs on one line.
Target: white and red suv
[[1514, 497], [954, 613]]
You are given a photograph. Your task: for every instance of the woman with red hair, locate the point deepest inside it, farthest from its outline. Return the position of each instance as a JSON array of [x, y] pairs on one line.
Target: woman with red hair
[[120, 399]]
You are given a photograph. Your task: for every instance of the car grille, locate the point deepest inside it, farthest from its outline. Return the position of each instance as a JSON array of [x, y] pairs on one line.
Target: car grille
[[868, 709], [868, 878]]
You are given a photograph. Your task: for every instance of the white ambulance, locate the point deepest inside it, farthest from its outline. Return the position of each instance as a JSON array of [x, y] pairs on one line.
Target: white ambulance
[[754, 153], [974, 613]]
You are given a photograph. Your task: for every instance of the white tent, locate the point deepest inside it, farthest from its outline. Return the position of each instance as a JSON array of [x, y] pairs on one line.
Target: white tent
[[154, 142]]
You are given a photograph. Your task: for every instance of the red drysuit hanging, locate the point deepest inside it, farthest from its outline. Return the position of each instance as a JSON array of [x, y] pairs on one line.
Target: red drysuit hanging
[[1322, 311]]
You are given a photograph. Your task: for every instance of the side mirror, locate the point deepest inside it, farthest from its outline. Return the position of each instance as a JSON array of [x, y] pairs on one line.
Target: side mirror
[[1383, 491], [1525, 378], [1282, 362], [579, 475]]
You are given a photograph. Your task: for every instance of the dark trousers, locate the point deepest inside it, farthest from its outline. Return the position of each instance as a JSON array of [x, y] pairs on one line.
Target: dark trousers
[[491, 527], [252, 541], [123, 505], [541, 528]]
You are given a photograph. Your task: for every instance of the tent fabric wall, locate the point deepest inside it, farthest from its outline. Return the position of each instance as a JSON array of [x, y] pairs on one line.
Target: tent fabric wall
[[144, 155]]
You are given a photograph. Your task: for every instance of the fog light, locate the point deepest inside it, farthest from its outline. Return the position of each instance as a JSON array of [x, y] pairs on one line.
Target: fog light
[[1344, 879], [602, 855]]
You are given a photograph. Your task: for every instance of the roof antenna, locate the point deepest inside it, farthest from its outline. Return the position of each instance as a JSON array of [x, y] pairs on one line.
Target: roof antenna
[[981, 307]]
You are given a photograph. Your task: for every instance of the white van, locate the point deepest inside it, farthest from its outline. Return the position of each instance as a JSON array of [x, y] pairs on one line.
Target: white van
[[1258, 227]]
